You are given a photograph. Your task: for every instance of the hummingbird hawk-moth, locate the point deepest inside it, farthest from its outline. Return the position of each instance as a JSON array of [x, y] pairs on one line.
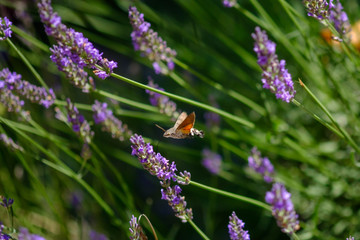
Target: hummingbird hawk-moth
[[183, 128]]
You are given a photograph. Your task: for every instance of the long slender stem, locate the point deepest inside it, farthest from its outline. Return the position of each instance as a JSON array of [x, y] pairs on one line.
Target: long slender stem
[[197, 229], [185, 100], [326, 111], [317, 118], [232, 195], [28, 64]]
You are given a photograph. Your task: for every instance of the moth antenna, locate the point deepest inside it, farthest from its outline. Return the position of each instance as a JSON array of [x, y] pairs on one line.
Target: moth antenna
[[160, 127]]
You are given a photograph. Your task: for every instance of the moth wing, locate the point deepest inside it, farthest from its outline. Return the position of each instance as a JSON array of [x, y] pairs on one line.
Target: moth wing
[[187, 124], [180, 119]]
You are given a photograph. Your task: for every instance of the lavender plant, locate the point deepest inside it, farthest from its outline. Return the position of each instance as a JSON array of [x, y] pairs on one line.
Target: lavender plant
[[215, 59]]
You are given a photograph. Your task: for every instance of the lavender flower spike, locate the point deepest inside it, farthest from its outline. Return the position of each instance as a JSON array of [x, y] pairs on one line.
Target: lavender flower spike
[[10, 143], [282, 208], [78, 123], [104, 116], [160, 167], [11, 101], [25, 235], [32, 92], [211, 161], [340, 20], [136, 231], [165, 105], [150, 44], [3, 236], [275, 76], [73, 51], [236, 230], [5, 30], [229, 3], [6, 203], [318, 9], [261, 165]]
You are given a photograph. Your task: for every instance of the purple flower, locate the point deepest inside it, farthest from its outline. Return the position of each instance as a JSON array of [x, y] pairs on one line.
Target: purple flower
[[78, 123], [164, 104], [25, 235], [282, 208], [261, 165], [340, 19], [318, 8], [275, 76], [73, 51], [150, 44], [109, 122], [177, 202], [350, 238], [236, 230], [11, 101], [211, 161], [229, 3], [6, 202], [5, 30], [3, 236], [93, 235], [32, 92], [153, 162], [160, 167], [136, 231], [10, 143]]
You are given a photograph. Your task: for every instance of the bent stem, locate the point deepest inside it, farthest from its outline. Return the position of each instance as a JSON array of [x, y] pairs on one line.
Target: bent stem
[[197, 229], [231, 195], [326, 111]]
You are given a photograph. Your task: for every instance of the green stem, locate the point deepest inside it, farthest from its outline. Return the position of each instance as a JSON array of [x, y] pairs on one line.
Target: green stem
[[197, 229], [28, 64], [295, 237], [317, 118], [127, 101], [185, 100], [342, 130], [232, 195]]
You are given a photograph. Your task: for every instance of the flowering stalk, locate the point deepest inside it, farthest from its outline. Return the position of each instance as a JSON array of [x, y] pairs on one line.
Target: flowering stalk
[[236, 228], [329, 13], [151, 45], [32, 92], [24, 234], [73, 51], [10, 143], [104, 116], [283, 208], [164, 104], [12, 102], [5, 28], [78, 122], [350, 238], [211, 161], [3, 235], [229, 3], [160, 167], [261, 165], [275, 76], [136, 231]]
